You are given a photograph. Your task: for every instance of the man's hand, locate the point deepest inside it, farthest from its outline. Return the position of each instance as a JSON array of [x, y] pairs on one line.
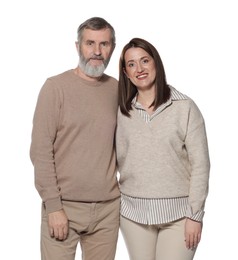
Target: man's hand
[[58, 224], [193, 231]]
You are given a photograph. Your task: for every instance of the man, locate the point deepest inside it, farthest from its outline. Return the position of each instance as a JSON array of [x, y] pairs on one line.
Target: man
[[73, 152]]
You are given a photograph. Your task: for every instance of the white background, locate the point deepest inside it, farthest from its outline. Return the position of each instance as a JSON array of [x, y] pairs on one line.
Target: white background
[[197, 41]]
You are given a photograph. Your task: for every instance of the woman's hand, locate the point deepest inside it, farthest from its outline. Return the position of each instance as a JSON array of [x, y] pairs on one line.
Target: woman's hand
[[193, 232]]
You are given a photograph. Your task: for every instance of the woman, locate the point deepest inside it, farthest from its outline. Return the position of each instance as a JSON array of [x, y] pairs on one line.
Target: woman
[[163, 160]]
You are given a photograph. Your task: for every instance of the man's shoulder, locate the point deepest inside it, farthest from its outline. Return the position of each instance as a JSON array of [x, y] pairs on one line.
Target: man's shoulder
[[110, 80], [60, 80], [61, 76]]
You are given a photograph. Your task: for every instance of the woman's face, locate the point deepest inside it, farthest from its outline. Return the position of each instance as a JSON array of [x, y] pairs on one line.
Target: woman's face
[[140, 68]]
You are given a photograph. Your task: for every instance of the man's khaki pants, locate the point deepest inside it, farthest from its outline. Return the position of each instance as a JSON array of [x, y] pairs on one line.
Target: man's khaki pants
[[93, 225]]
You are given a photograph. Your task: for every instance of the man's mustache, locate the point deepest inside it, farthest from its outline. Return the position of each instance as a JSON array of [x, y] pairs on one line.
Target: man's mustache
[[97, 57]]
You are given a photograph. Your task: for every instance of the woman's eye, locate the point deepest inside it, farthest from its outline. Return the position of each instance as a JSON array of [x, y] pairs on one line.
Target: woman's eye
[[131, 65]]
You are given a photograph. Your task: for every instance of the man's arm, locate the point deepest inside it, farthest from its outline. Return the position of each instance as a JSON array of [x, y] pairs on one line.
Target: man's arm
[[44, 132]]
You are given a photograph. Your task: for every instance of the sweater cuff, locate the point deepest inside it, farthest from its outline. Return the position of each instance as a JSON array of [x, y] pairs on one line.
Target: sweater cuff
[[53, 205]]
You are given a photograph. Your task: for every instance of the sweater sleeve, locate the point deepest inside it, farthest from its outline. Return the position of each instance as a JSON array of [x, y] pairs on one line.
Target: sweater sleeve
[[197, 148], [45, 124]]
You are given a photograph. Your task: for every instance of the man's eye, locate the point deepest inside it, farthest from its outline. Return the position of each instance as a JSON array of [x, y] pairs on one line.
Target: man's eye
[[104, 44]]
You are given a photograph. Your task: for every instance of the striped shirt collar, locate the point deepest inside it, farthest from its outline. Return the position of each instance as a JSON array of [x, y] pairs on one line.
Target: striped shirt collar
[[175, 95]]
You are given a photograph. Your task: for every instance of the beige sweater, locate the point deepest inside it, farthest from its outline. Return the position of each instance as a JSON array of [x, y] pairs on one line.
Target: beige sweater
[[72, 146], [167, 157]]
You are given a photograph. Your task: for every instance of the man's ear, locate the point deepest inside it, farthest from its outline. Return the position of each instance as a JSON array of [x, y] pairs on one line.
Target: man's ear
[[113, 48], [77, 46]]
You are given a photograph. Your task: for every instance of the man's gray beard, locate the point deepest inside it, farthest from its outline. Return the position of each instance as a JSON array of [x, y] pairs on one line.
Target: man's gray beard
[[92, 71]]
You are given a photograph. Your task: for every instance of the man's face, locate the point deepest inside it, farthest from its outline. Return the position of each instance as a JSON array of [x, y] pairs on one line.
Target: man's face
[[95, 51]]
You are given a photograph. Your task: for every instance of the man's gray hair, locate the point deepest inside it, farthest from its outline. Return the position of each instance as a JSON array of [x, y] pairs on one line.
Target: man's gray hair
[[95, 23]]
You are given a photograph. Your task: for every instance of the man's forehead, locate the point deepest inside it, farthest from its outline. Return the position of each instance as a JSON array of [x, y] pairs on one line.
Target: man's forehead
[[97, 35]]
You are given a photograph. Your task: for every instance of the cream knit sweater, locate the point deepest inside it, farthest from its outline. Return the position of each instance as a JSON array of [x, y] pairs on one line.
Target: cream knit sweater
[[167, 157]]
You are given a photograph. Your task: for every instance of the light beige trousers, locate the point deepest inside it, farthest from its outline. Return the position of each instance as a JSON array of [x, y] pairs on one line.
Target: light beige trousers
[[155, 242], [94, 225]]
